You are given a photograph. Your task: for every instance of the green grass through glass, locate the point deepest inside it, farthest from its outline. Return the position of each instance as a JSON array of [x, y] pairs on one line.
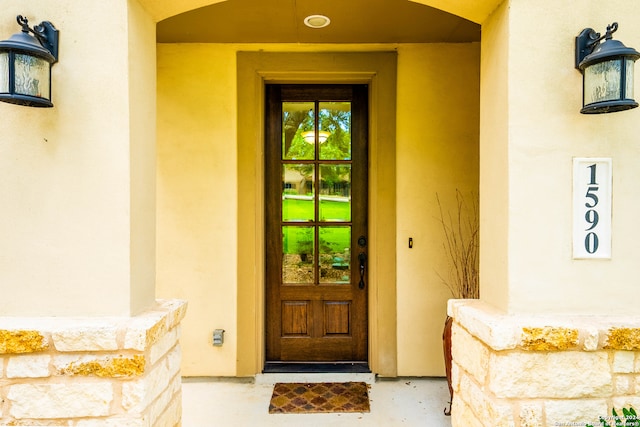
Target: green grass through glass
[[302, 210], [334, 240], [297, 209], [299, 239], [335, 211]]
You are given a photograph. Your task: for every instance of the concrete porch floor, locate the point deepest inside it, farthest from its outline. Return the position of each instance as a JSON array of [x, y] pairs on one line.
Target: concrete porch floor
[[405, 401]]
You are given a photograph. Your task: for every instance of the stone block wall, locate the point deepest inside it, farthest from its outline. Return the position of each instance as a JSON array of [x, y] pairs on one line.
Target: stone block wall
[[122, 372], [526, 371]]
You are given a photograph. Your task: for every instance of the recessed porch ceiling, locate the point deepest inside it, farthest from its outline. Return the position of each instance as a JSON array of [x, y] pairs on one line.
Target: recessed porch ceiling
[[352, 21]]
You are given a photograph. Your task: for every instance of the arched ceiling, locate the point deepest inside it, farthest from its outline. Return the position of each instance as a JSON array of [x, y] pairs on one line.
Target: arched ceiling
[[352, 21]]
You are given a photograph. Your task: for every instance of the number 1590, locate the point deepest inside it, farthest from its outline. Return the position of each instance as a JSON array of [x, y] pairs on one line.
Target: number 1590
[[592, 208], [592, 216]]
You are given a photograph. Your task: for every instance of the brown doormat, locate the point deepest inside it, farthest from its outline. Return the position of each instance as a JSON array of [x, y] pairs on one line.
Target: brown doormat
[[301, 398]]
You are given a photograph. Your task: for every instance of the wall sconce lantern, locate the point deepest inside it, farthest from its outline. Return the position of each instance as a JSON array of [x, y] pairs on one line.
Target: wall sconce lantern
[[607, 72], [25, 64]]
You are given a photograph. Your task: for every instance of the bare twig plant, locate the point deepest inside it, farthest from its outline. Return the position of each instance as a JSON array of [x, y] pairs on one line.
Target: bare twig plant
[[461, 245]]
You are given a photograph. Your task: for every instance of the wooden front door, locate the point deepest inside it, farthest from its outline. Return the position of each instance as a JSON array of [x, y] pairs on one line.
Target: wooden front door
[[316, 223]]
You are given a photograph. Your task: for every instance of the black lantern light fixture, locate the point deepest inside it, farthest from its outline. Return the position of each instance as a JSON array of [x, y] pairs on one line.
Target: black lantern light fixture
[[607, 72], [25, 64]]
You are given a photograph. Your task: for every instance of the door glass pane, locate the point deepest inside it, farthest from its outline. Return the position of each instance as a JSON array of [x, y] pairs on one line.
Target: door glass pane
[[334, 122], [297, 192], [335, 255], [297, 131], [297, 254], [32, 76], [335, 192]]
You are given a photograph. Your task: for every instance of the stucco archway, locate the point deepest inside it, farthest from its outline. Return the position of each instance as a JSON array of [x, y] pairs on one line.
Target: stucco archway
[[238, 294], [476, 11]]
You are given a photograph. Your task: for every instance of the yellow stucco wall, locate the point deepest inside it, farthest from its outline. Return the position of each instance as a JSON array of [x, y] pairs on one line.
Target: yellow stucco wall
[[197, 198], [531, 130], [71, 246], [142, 149], [196, 231], [437, 149], [494, 172]]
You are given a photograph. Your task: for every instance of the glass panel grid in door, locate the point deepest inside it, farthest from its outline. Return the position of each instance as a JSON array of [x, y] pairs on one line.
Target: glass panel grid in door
[[298, 196], [316, 193], [335, 254], [298, 142], [298, 247], [334, 124], [335, 192]]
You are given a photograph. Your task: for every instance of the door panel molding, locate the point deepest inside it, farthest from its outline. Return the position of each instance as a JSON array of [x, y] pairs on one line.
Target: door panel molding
[[378, 70]]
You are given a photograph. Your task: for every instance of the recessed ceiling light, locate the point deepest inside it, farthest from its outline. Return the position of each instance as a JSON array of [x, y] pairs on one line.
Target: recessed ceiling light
[[316, 21]]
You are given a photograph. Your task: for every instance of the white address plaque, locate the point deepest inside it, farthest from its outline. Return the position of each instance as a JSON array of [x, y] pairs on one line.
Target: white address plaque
[[591, 208]]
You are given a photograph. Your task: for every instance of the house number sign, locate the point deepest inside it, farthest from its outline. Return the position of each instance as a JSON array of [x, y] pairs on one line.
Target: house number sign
[[591, 208]]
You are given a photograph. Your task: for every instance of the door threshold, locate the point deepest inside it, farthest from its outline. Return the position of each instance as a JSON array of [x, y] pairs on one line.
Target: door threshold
[[316, 368], [270, 379]]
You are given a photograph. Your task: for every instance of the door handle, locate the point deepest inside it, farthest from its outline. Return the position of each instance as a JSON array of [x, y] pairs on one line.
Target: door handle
[[362, 258]]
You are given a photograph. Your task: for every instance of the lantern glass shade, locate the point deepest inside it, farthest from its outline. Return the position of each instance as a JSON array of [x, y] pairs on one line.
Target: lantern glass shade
[[629, 80], [602, 82], [4, 72], [25, 79], [608, 86], [32, 76]]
